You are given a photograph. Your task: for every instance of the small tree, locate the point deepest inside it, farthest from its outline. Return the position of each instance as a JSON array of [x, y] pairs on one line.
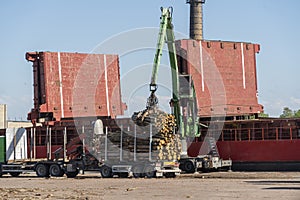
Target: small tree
[[263, 115], [287, 113], [297, 113]]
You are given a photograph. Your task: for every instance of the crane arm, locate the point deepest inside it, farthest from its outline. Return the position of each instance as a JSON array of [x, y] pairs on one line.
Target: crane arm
[[159, 49], [187, 124], [174, 71], [165, 23], [166, 34]]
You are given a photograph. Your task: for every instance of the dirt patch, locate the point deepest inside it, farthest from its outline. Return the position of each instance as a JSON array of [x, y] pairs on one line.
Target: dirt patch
[[216, 185]]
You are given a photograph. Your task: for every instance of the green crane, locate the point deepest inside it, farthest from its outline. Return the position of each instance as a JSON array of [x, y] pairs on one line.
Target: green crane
[[166, 34], [183, 102], [187, 123]]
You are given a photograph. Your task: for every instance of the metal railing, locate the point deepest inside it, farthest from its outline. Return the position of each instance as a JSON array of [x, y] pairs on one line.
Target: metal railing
[[254, 134]]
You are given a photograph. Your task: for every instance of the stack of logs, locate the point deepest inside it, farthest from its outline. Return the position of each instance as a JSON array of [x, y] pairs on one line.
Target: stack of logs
[[157, 141], [169, 144]]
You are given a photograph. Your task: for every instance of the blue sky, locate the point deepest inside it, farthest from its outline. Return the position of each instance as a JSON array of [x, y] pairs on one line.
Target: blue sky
[[79, 26]]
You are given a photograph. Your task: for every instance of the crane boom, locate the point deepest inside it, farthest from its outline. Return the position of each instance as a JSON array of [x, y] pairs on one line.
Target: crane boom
[[187, 123], [164, 24], [166, 35]]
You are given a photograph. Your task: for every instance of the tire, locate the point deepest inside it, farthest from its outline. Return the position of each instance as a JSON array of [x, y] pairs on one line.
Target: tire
[[56, 171], [14, 174], [138, 171], [150, 172], [72, 174], [227, 169], [170, 175], [123, 175], [106, 172], [1, 170], [42, 170], [189, 167], [205, 167]]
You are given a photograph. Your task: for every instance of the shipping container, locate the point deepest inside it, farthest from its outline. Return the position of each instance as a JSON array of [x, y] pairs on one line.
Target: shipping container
[[224, 75]]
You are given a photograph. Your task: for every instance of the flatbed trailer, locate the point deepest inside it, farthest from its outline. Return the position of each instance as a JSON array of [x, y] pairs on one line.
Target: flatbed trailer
[[15, 169], [43, 168], [138, 160], [105, 150], [21, 152]]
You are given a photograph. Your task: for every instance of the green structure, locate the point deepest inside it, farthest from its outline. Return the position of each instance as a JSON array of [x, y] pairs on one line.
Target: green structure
[[2, 149]]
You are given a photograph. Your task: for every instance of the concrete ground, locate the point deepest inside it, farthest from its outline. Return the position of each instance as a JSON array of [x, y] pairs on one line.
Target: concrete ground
[[216, 185]]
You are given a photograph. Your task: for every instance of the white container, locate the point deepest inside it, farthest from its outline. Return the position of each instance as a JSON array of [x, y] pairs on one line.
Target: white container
[[16, 144]]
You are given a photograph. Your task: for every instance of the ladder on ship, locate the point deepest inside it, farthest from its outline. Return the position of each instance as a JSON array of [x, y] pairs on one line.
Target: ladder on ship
[[212, 145]]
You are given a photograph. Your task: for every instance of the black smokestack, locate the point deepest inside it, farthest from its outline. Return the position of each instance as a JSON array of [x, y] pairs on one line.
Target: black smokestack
[[196, 19]]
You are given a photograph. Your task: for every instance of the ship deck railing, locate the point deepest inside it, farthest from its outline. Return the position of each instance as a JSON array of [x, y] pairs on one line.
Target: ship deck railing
[[253, 134]]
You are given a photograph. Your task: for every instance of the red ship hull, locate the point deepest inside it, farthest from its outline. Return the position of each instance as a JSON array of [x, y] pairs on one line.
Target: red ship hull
[[265, 144], [254, 151], [261, 151]]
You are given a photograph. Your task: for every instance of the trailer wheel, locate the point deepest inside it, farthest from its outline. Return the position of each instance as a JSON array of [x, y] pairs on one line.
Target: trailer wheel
[[170, 175], [42, 170], [106, 172], [138, 171], [72, 174], [205, 166], [1, 170], [188, 167], [123, 174], [56, 171], [150, 172], [14, 174]]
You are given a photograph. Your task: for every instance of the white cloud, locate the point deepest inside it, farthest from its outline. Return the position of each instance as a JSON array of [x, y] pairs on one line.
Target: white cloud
[[274, 106]]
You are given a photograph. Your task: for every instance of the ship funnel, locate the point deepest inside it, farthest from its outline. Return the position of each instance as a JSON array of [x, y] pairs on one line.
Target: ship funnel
[[196, 19]]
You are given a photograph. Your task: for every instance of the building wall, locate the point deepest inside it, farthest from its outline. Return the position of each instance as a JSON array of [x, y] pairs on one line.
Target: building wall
[[3, 116], [19, 124]]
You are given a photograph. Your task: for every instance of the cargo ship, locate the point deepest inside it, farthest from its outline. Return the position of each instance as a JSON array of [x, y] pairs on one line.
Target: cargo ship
[[252, 143], [224, 76], [230, 115]]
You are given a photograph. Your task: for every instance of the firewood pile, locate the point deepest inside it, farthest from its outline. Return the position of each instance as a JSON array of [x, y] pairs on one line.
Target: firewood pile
[[169, 145], [156, 141]]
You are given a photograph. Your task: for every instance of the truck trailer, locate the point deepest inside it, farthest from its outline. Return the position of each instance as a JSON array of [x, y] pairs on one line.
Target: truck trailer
[[121, 149]]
